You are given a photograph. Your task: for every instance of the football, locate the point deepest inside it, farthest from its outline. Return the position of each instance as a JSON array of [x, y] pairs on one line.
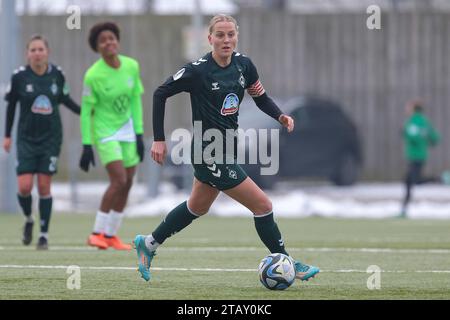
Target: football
[[277, 271]]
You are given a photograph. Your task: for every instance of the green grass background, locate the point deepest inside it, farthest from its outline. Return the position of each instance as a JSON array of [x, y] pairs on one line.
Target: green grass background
[[402, 282]]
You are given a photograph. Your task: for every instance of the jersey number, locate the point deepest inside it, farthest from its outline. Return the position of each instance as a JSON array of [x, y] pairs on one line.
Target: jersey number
[[53, 164]]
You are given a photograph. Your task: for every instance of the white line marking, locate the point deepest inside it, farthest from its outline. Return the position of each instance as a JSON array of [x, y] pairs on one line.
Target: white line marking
[[244, 249], [207, 269]]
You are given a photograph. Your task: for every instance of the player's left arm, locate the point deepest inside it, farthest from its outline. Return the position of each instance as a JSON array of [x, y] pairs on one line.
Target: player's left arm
[[66, 99], [11, 97], [71, 105], [265, 103]]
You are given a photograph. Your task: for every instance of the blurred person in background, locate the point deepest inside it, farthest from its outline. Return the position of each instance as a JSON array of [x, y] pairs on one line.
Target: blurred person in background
[[418, 136], [112, 121], [40, 87]]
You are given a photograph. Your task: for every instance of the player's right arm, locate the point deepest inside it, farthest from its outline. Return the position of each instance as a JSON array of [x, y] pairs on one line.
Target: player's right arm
[[182, 81], [11, 97], [88, 102]]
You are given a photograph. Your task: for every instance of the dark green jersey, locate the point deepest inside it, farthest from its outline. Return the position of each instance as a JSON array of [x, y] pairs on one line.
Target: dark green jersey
[[39, 98], [216, 92], [419, 134]]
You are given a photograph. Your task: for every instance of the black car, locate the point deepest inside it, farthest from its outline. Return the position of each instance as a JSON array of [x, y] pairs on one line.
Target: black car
[[324, 143]]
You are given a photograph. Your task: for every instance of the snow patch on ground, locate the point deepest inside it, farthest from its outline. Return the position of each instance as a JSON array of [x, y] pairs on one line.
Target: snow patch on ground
[[361, 201]]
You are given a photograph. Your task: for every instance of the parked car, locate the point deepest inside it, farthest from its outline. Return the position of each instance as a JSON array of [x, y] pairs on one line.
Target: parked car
[[324, 143]]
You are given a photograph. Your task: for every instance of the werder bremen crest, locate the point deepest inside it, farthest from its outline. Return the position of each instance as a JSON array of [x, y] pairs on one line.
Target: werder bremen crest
[[54, 88]]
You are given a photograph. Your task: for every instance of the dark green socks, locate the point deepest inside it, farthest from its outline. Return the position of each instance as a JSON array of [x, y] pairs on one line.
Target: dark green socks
[[25, 204], [45, 211], [269, 233], [177, 219]]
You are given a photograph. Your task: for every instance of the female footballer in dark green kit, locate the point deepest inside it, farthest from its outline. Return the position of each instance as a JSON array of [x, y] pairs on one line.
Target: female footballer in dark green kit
[[217, 83], [39, 88]]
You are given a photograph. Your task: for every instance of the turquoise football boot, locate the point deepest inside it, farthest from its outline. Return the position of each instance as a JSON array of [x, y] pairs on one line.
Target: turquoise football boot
[[145, 257], [305, 272]]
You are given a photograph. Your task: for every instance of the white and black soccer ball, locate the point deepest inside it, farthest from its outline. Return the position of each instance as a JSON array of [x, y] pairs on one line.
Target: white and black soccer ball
[[277, 271]]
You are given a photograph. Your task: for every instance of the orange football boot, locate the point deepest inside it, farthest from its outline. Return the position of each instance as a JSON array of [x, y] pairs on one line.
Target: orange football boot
[[116, 243], [97, 240]]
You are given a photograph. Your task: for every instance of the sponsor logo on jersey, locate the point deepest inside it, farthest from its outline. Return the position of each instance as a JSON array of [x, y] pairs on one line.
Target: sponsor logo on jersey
[[121, 104], [230, 104], [42, 105], [29, 88], [215, 86], [130, 83], [179, 74]]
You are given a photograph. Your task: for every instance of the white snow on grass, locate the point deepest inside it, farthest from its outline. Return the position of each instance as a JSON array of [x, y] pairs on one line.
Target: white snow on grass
[[361, 201]]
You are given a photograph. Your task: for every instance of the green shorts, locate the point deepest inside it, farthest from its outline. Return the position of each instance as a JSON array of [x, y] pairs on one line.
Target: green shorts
[[118, 151], [220, 176]]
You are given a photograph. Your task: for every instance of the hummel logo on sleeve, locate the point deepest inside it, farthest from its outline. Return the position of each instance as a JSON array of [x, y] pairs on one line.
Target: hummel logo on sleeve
[[179, 74]]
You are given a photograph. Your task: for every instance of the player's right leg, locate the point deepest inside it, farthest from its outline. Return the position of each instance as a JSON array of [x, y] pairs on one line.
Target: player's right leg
[[201, 199], [25, 184], [111, 157]]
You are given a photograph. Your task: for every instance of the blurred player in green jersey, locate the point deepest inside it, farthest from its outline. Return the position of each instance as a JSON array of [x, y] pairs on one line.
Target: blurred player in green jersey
[[112, 121], [418, 135], [40, 87], [217, 83]]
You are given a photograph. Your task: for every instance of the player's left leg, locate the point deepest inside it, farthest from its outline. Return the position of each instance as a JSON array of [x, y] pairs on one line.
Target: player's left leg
[[126, 170], [45, 208], [25, 184], [251, 196], [116, 215], [421, 179], [114, 201], [47, 166], [412, 177]]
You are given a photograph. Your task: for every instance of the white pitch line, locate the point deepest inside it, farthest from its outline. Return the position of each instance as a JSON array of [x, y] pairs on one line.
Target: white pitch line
[[206, 269], [245, 249]]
